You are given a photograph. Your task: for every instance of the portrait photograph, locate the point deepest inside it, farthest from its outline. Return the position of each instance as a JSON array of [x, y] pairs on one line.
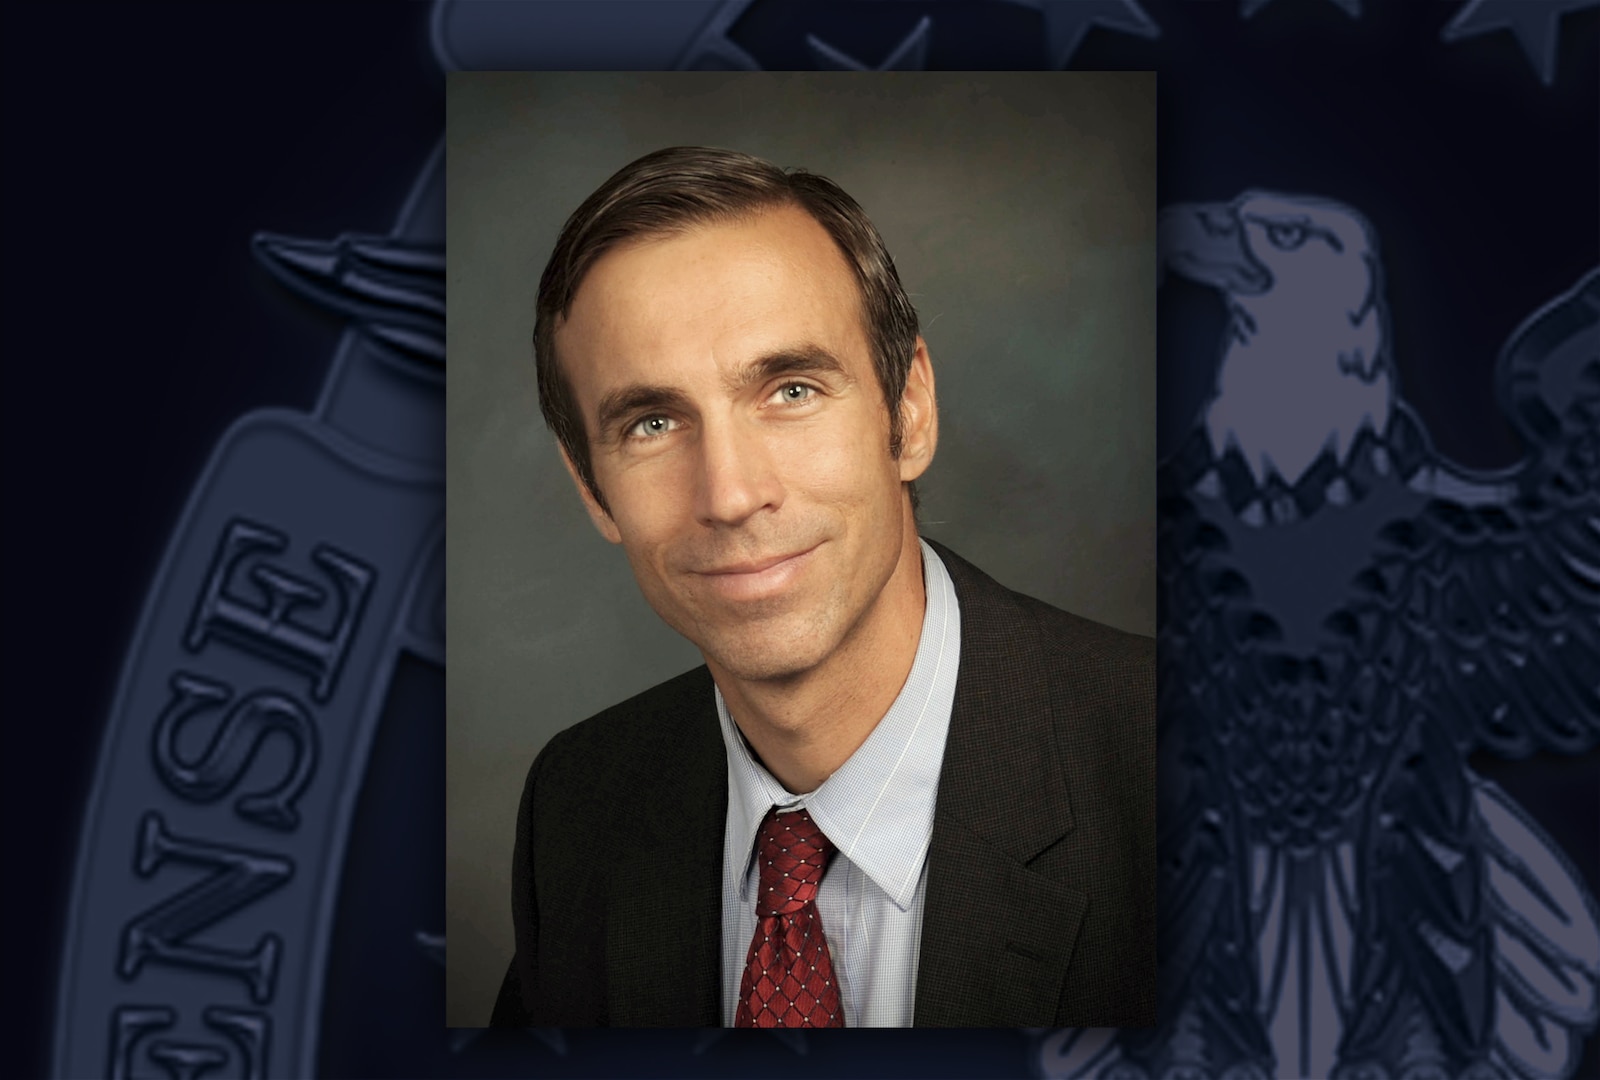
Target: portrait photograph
[[801, 549]]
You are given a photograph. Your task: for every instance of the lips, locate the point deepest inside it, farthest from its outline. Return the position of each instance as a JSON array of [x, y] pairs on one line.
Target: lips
[[755, 579], [755, 566]]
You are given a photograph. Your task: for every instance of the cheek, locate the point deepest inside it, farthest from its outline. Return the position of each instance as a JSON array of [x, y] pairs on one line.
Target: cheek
[[646, 526], [647, 511], [846, 448], [840, 474], [850, 463]]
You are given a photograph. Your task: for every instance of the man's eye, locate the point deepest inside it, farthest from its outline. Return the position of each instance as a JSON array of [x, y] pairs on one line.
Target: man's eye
[[652, 427], [796, 393]]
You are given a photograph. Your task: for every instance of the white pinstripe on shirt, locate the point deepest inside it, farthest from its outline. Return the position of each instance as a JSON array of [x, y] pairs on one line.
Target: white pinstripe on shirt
[[877, 809]]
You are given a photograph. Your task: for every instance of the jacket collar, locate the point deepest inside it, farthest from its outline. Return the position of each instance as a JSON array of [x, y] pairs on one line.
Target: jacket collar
[[997, 936]]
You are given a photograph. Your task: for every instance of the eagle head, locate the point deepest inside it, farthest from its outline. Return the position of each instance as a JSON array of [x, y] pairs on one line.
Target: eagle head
[[1305, 364]]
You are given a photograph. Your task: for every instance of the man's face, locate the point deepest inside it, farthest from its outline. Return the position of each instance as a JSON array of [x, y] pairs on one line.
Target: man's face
[[740, 437]]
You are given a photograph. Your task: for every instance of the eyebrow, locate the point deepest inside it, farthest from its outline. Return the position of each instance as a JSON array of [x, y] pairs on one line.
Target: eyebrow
[[808, 359], [637, 397], [793, 360]]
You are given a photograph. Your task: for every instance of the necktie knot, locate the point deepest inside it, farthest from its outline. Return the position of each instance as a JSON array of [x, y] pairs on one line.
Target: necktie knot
[[788, 975], [793, 855]]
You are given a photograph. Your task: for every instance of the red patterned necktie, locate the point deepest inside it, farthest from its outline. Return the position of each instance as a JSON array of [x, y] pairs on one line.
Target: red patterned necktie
[[788, 975]]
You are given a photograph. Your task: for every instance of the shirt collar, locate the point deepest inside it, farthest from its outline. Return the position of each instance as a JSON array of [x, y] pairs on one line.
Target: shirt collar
[[877, 808]]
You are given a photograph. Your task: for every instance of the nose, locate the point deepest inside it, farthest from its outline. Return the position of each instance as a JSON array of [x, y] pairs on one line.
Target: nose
[[737, 476]]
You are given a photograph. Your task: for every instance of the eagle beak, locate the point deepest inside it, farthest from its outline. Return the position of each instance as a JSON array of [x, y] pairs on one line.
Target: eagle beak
[[1205, 242]]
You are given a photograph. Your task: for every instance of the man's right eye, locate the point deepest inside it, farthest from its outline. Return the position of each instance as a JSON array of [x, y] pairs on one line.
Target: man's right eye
[[652, 427]]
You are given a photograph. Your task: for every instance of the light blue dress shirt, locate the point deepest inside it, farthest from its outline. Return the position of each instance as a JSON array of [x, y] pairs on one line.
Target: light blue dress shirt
[[877, 810]]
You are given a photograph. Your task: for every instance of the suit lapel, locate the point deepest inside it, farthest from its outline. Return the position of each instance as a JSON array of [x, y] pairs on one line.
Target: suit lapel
[[997, 936], [663, 925]]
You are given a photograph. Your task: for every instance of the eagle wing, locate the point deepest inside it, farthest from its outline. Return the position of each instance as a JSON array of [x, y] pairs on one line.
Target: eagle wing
[[1488, 600], [1472, 910], [1509, 587]]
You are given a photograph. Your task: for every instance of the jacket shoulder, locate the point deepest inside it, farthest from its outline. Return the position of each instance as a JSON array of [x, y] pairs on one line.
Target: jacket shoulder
[[1094, 649], [579, 819], [1065, 636], [628, 742]]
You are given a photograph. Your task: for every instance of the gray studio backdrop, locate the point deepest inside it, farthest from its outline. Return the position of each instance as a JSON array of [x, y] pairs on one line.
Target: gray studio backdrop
[[1020, 211]]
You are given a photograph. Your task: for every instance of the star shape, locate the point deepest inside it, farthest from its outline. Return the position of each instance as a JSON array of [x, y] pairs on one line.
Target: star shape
[[1536, 24], [1066, 22], [712, 49], [1248, 8], [910, 55]]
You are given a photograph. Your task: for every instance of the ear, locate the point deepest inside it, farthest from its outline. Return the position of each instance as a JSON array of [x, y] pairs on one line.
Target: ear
[[597, 514], [919, 416]]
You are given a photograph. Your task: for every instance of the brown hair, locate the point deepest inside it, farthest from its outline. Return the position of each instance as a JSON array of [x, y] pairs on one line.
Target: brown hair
[[682, 186]]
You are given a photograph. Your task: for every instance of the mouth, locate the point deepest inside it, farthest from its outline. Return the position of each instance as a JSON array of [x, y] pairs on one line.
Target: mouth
[[757, 578]]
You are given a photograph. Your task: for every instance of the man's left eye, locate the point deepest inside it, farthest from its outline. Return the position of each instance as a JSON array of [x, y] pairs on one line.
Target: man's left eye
[[796, 393], [652, 427]]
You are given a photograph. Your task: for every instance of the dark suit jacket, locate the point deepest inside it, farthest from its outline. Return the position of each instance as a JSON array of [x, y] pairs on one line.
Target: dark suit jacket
[[1040, 903]]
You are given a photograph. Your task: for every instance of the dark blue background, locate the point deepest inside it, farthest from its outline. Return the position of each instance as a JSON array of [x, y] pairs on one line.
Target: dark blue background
[[146, 144]]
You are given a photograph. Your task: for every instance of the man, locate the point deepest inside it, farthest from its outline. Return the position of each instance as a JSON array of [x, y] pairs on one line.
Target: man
[[896, 793]]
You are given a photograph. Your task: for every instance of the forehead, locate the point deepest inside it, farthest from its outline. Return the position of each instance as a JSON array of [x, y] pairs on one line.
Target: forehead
[[710, 295]]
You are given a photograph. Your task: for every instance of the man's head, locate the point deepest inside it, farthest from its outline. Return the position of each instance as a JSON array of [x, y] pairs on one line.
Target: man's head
[[733, 370], [672, 190]]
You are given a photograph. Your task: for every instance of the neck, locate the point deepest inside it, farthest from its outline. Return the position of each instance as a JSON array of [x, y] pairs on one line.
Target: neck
[[805, 726]]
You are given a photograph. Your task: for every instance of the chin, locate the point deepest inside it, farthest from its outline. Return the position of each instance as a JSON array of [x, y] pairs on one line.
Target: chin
[[753, 660], [767, 653]]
